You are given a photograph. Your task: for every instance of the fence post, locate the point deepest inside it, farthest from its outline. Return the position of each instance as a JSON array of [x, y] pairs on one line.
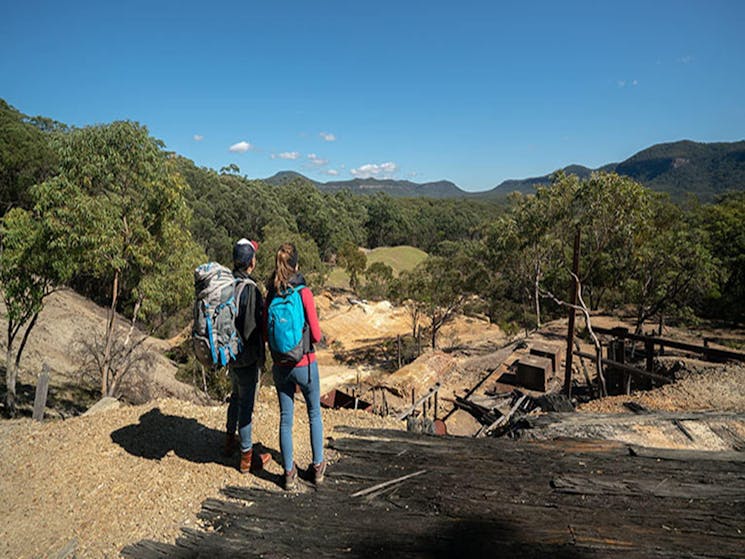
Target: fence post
[[42, 389]]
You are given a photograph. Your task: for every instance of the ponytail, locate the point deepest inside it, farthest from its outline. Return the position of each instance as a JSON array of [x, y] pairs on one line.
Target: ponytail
[[285, 266]]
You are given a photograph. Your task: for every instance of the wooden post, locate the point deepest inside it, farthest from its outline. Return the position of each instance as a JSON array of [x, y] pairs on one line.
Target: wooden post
[[621, 358], [398, 346], [649, 350], [40, 398], [435, 406], [570, 328]]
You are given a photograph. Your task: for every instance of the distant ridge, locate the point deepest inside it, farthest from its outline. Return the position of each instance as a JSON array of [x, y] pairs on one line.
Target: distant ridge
[[398, 188], [678, 168]]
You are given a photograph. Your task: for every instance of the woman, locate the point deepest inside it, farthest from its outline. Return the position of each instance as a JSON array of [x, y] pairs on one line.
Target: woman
[[296, 368]]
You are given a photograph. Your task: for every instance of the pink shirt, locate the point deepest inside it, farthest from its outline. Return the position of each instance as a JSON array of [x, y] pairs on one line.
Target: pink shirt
[[311, 316]]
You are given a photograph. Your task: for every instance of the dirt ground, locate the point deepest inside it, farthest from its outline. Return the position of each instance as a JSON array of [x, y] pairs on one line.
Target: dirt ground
[[66, 324], [136, 472], [105, 480], [700, 386]]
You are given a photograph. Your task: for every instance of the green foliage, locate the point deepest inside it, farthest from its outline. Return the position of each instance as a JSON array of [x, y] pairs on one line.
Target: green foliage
[[329, 219], [635, 248], [437, 288], [378, 279], [118, 206], [226, 208], [680, 168], [309, 260], [353, 260], [25, 158], [669, 274], [27, 275], [724, 223]]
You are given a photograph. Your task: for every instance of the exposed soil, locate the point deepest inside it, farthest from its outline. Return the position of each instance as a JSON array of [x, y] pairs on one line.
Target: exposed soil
[[142, 471], [67, 324], [699, 386], [137, 472]]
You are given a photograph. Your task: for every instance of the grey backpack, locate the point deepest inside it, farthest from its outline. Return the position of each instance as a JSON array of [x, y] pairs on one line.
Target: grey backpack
[[214, 336]]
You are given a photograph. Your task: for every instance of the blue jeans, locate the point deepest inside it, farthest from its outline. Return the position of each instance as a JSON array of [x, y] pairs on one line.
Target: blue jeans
[[241, 406], [285, 380]]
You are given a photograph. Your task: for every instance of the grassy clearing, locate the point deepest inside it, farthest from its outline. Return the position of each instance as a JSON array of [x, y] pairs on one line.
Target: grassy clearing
[[400, 258]]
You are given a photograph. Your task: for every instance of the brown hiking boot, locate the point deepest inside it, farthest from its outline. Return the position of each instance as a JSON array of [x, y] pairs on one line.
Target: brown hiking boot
[[231, 444], [253, 462], [291, 479], [318, 471]]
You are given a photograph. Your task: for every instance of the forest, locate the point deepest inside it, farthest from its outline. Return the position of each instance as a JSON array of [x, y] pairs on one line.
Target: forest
[[109, 212]]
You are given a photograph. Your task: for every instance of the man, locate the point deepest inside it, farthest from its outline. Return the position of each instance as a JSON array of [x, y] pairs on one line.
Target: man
[[244, 370]]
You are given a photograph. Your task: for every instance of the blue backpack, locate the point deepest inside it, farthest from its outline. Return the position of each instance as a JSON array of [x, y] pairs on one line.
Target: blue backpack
[[286, 326]]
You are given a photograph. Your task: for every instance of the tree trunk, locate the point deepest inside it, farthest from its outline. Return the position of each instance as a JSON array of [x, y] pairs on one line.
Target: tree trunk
[[25, 339], [111, 316], [133, 322], [537, 297], [640, 317], [10, 382]]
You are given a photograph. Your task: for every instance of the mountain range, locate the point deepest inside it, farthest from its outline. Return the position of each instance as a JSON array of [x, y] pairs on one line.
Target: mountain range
[[678, 168]]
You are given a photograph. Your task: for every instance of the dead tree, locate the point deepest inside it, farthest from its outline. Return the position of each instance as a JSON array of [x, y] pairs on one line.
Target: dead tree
[[582, 307]]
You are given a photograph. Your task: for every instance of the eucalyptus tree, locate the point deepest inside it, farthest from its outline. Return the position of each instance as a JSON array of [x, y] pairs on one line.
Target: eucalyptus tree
[[119, 204], [354, 262], [32, 266]]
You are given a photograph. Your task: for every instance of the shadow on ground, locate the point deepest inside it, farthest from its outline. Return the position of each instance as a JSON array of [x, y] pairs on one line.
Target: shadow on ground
[[63, 400], [158, 434]]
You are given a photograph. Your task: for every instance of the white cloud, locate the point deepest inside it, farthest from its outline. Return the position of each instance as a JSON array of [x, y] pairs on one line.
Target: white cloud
[[198, 137], [621, 83], [635, 83], [317, 160], [331, 172], [687, 59], [328, 136], [240, 147], [375, 170], [292, 155]]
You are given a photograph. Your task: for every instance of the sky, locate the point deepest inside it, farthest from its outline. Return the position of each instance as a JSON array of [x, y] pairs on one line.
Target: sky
[[474, 92]]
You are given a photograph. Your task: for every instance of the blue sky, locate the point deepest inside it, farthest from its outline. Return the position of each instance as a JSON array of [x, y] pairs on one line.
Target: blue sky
[[470, 91]]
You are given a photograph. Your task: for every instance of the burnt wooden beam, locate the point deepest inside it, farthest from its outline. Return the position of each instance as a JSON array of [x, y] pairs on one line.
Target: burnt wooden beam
[[701, 349], [626, 368], [416, 403]]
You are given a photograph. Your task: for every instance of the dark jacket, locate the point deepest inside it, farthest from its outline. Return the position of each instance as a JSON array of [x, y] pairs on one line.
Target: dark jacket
[[248, 323]]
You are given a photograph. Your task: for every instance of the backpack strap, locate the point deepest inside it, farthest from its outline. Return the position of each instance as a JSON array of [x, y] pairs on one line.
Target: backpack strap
[[248, 317]]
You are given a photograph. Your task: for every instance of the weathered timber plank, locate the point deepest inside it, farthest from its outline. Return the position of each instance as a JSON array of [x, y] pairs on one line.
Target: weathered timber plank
[[657, 487], [687, 455], [479, 498]]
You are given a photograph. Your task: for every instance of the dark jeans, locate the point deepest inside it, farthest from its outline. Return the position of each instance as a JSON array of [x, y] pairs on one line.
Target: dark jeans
[[241, 406]]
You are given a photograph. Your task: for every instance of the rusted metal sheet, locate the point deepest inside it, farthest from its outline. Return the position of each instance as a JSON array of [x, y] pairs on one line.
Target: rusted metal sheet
[[337, 399]]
